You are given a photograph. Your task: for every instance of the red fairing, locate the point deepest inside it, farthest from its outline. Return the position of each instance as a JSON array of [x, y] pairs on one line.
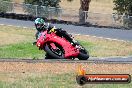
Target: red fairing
[[70, 51]]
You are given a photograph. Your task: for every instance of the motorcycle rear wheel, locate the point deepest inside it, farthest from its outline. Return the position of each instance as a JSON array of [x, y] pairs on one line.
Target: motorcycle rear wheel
[[84, 54]]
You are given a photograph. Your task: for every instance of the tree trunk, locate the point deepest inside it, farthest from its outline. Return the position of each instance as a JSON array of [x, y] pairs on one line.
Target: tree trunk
[[83, 11]]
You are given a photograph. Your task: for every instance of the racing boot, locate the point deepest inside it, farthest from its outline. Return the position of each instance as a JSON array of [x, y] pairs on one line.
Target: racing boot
[[34, 43]]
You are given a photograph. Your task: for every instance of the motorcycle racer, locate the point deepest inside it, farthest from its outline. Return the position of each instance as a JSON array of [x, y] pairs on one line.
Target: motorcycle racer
[[53, 41], [41, 26]]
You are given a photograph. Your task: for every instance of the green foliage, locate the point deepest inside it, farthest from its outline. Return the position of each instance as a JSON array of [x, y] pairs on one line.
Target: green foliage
[[5, 6], [51, 3], [44, 8], [123, 6]]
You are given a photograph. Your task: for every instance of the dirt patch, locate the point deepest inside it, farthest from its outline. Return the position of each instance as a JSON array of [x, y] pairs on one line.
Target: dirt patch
[[105, 47], [97, 11], [95, 5], [105, 6], [6, 38], [13, 35], [60, 68], [50, 75]]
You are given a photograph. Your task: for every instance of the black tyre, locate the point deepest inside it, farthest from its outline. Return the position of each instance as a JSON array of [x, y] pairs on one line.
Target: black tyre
[[56, 54], [47, 56], [84, 54]]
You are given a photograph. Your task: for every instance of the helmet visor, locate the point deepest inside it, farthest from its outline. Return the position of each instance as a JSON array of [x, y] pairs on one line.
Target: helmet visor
[[38, 25]]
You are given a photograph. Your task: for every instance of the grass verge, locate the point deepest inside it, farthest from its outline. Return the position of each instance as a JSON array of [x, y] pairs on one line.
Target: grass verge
[[21, 50], [16, 43], [36, 80], [56, 75]]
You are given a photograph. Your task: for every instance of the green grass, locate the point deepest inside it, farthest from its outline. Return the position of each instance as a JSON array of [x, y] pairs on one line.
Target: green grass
[[36, 80], [16, 43], [26, 50], [21, 50], [105, 48], [41, 81], [100, 49]]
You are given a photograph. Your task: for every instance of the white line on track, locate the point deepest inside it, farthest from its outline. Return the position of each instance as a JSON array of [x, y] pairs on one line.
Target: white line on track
[[1, 24], [87, 36], [105, 58], [111, 39], [77, 34]]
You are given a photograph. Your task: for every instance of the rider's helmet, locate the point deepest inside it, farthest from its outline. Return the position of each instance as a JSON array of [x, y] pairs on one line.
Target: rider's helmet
[[39, 24]]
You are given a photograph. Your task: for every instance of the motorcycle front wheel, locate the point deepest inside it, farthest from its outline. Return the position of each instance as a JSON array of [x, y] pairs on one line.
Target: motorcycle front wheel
[[55, 53], [47, 56]]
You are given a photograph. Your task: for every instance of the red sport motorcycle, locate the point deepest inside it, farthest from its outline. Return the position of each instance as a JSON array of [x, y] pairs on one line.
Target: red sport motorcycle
[[58, 47]]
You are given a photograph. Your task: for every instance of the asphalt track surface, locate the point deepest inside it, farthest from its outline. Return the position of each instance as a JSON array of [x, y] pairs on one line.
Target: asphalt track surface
[[99, 32], [125, 35], [66, 61]]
